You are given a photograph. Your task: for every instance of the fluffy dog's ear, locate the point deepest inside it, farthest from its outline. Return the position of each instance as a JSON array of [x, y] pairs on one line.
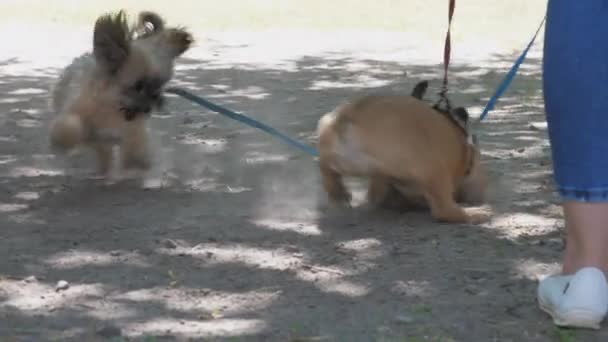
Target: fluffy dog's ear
[[178, 40], [111, 41]]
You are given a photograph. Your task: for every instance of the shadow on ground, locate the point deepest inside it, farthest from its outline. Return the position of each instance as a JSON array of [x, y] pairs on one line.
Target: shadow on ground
[[237, 245]]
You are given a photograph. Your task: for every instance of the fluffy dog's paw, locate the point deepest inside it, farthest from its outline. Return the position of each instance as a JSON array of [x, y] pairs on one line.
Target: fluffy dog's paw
[[478, 215], [333, 205]]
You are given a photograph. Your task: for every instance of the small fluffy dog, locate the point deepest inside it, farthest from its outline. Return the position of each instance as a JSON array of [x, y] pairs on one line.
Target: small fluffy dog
[[408, 150], [102, 99]]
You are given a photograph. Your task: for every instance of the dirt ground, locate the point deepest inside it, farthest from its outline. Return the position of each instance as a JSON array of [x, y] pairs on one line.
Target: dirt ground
[[234, 243]]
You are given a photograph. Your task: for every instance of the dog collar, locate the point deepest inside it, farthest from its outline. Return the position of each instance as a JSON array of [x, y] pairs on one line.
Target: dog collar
[[471, 139], [456, 122], [471, 143]]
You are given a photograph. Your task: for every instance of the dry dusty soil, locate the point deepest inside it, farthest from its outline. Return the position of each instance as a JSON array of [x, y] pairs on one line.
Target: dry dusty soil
[[232, 239]]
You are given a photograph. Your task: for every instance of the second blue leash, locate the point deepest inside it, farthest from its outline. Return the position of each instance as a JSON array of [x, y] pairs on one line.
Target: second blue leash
[[312, 151], [510, 75], [242, 118]]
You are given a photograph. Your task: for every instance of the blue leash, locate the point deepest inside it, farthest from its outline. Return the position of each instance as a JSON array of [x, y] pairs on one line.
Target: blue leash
[[510, 75], [242, 118], [312, 151]]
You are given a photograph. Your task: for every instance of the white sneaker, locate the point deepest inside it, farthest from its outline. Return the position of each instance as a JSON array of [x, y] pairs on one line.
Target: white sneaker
[[551, 290], [579, 300]]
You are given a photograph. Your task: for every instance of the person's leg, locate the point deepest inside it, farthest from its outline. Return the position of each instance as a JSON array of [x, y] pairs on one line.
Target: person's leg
[[575, 76], [586, 236], [575, 80]]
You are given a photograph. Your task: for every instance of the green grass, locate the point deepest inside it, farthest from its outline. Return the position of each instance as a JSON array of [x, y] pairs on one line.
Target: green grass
[[423, 309], [417, 338], [142, 339], [504, 22], [565, 335]]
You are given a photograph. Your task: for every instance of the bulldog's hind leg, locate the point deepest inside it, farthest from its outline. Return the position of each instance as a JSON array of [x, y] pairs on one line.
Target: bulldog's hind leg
[[382, 193], [420, 89], [378, 190], [438, 192], [333, 184]]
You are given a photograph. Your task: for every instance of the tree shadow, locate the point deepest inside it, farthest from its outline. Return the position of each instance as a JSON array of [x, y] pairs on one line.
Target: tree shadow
[[238, 245]]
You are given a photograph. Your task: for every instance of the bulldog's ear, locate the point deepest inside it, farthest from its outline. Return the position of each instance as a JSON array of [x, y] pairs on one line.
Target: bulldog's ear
[[420, 89]]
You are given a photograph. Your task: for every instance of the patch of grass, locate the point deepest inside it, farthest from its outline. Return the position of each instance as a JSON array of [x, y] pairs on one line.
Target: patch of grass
[[298, 333], [424, 309], [426, 334], [430, 338], [234, 339], [417, 338], [143, 339], [296, 330], [564, 335]]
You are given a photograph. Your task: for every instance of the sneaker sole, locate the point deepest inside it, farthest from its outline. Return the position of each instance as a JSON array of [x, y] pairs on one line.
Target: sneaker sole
[[576, 318]]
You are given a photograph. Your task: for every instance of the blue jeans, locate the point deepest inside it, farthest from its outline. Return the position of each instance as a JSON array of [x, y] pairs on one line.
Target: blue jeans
[[575, 85]]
